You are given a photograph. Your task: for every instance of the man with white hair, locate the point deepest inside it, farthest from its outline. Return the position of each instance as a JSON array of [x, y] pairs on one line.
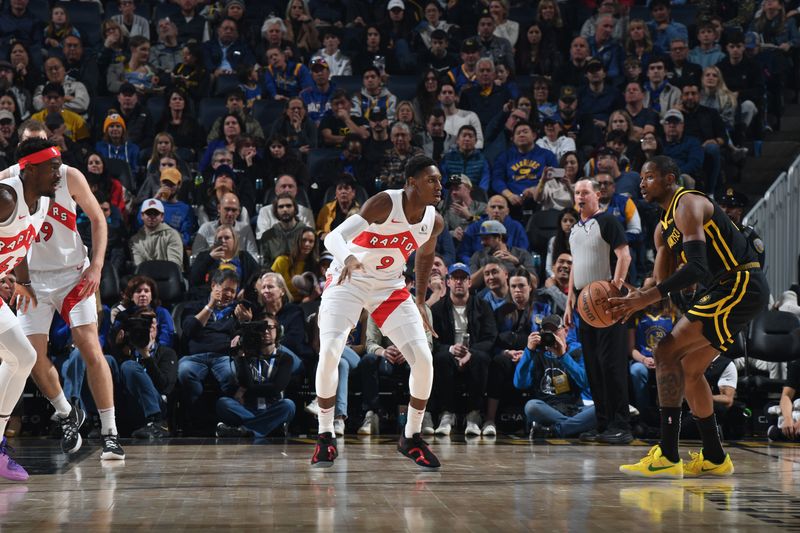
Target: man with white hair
[[392, 174], [485, 98]]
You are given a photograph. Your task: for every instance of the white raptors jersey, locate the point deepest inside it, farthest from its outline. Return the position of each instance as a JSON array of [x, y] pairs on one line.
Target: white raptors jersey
[[18, 232], [58, 245], [384, 248]]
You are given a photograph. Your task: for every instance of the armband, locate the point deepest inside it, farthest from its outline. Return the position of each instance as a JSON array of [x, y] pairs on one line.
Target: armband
[[694, 271]]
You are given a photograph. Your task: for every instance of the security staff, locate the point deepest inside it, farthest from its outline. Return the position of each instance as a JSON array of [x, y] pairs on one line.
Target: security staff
[[733, 203]]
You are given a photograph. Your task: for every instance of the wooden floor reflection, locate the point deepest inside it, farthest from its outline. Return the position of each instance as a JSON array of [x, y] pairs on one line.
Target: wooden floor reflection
[[503, 485]]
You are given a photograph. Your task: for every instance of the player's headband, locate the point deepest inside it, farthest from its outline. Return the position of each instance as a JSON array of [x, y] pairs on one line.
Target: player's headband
[[39, 157]]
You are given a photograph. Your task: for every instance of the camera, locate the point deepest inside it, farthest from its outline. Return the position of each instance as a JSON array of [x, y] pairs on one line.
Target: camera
[[548, 339], [251, 337], [137, 331]]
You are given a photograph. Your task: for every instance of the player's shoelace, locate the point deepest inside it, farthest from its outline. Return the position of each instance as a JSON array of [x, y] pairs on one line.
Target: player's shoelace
[[5, 447]]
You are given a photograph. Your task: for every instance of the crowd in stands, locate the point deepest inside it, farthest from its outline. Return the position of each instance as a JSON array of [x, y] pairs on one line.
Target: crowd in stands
[[225, 139]]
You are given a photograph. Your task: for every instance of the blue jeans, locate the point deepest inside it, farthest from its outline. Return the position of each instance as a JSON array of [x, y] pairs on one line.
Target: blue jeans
[[640, 375], [564, 426], [261, 422], [347, 362], [712, 164], [297, 364], [193, 370], [74, 374], [136, 385], [371, 367]]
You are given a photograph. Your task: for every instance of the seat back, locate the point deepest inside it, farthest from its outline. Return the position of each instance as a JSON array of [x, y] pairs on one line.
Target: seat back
[[266, 112], [122, 171], [403, 87], [168, 278], [361, 194], [210, 110], [775, 337], [541, 227], [85, 16], [109, 284]]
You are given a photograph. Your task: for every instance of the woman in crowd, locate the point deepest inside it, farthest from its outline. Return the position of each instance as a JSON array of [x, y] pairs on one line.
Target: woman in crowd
[[58, 28], [26, 77], [142, 291], [115, 143], [716, 95], [505, 78], [303, 257], [552, 139], [109, 186], [179, 122], [536, 56], [639, 43], [405, 113], [279, 160], [556, 192], [541, 98], [300, 28], [191, 74], [273, 297], [231, 127], [373, 51], [551, 24], [225, 253], [505, 28], [559, 243], [115, 45], [427, 96], [136, 71]]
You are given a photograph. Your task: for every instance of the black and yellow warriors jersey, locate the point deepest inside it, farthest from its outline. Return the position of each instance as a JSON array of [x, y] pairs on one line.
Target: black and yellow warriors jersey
[[726, 248]]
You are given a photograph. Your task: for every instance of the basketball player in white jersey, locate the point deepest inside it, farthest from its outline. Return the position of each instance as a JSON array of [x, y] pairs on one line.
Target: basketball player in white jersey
[[24, 202], [370, 250], [65, 281]]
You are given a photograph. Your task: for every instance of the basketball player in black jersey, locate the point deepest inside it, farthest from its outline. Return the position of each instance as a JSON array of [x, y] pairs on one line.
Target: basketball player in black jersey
[[712, 253]]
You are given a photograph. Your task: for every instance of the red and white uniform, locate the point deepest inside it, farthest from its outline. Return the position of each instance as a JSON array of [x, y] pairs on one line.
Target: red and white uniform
[[56, 262], [383, 249], [17, 233]]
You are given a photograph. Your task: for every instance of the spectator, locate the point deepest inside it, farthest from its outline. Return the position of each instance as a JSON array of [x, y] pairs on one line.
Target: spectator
[[716, 95], [13, 95], [177, 215], [230, 129], [662, 28], [115, 45], [76, 97], [138, 121], [553, 140], [137, 71], [536, 56], [273, 34], [556, 192], [684, 149], [426, 98], [624, 210], [302, 257], [625, 183], [223, 54], [541, 99], [145, 370], [178, 121], [745, 78], [156, 241], [317, 98], [605, 9], [300, 28], [554, 29], [276, 240], [166, 53], [438, 56], [645, 332], [707, 53], [190, 22], [18, 24], [495, 249], [466, 159], [337, 210], [284, 78], [376, 145], [225, 253], [134, 24], [101, 182], [598, 99], [464, 75], [559, 243], [553, 370], [267, 217], [191, 74], [459, 208], [81, 66], [352, 160], [455, 118], [373, 95], [339, 121], [643, 118], [157, 164], [234, 104], [338, 62], [115, 143], [604, 45], [466, 334], [706, 125], [499, 49], [229, 210], [681, 68], [562, 267], [639, 43], [497, 209], [392, 171], [209, 329], [485, 99], [398, 28], [516, 172], [235, 10], [8, 136], [262, 375], [374, 52], [788, 425], [571, 72], [435, 141], [600, 251], [494, 281], [660, 95], [296, 127], [141, 292], [273, 296], [579, 128], [432, 22], [504, 28]]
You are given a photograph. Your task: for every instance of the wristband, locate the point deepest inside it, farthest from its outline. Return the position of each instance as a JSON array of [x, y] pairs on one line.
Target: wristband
[[24, 283]]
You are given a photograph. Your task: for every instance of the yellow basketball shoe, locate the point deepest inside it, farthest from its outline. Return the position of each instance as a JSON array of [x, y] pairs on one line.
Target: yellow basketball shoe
[[654, 465], [699, 466]]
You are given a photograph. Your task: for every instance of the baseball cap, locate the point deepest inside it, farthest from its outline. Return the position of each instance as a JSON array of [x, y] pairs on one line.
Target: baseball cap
[[593, 64], [395, 3], [458, 267], [51, 88], [173, 175], [752, 40], [606, 151], [732, 198], [239, 3], [673, 115], [492, 227], [225, 170], [53, 121], [154, 204], [377, 114], [6, 115], [127, 88], [470, 44], [552, 119], [325, 256], [6, 65], [734, 37], [568, 94], [551, 323], [319, 63]]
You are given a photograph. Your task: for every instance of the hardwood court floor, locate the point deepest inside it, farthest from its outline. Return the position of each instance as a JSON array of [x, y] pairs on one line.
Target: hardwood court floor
[[502, 485]]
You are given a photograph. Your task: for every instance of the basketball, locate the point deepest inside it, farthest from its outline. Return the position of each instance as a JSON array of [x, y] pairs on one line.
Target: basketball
[[593, 303]]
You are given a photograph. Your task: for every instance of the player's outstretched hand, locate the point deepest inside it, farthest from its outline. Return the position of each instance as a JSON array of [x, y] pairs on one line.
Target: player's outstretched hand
[[423, 312], [351, 264], [25, 297], [635, 300]]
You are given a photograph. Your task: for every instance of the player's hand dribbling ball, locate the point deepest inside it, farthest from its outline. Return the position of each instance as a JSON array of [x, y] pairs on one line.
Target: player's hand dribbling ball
[[593, 305]]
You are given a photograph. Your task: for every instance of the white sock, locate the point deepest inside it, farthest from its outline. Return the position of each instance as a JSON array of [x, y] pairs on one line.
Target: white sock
[[414, 421], [326, 420], [108, 423], [63, 407], [3, 424]]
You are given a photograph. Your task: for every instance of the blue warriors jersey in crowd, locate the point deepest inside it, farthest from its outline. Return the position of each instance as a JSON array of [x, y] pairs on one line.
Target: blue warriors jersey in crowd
[[650, 329]]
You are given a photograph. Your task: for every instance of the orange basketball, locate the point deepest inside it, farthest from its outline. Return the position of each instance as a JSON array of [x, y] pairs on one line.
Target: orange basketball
[[593, 303]]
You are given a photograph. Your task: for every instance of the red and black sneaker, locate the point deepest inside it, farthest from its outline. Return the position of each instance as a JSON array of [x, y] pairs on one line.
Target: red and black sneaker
[[417, 450], [325, 452]]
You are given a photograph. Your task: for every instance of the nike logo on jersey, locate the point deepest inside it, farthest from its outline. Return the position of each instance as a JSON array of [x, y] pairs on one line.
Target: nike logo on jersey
[[396, 221], [20, 217]]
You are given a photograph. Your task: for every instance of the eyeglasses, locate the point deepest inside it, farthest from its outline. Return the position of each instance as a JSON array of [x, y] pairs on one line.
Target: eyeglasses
[[151, 214], [271, 327], [605, 183]]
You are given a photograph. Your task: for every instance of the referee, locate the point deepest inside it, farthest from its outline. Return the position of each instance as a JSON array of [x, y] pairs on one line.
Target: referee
[[600, 252]]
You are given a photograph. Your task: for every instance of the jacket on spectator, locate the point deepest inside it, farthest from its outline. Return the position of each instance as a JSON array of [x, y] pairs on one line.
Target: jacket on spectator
[[473, 165], [668, 97], [706, 58], [486, 106], [216, 335], [161, 244], [480, 325], [471, 242], [687, 153], [364, 102], [237, 54], [277, 241], [206, 234], [288, 82], [204, 267], [317, 102], [77, 90]]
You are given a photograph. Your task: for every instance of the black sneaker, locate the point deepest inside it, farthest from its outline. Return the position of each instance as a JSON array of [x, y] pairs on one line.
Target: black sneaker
[[615, 436], [539, 431], [417, 450], [112, 451], [325, 452], [224, 431], [589, 436], [152, 431], [70, 430], [774, 434]]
